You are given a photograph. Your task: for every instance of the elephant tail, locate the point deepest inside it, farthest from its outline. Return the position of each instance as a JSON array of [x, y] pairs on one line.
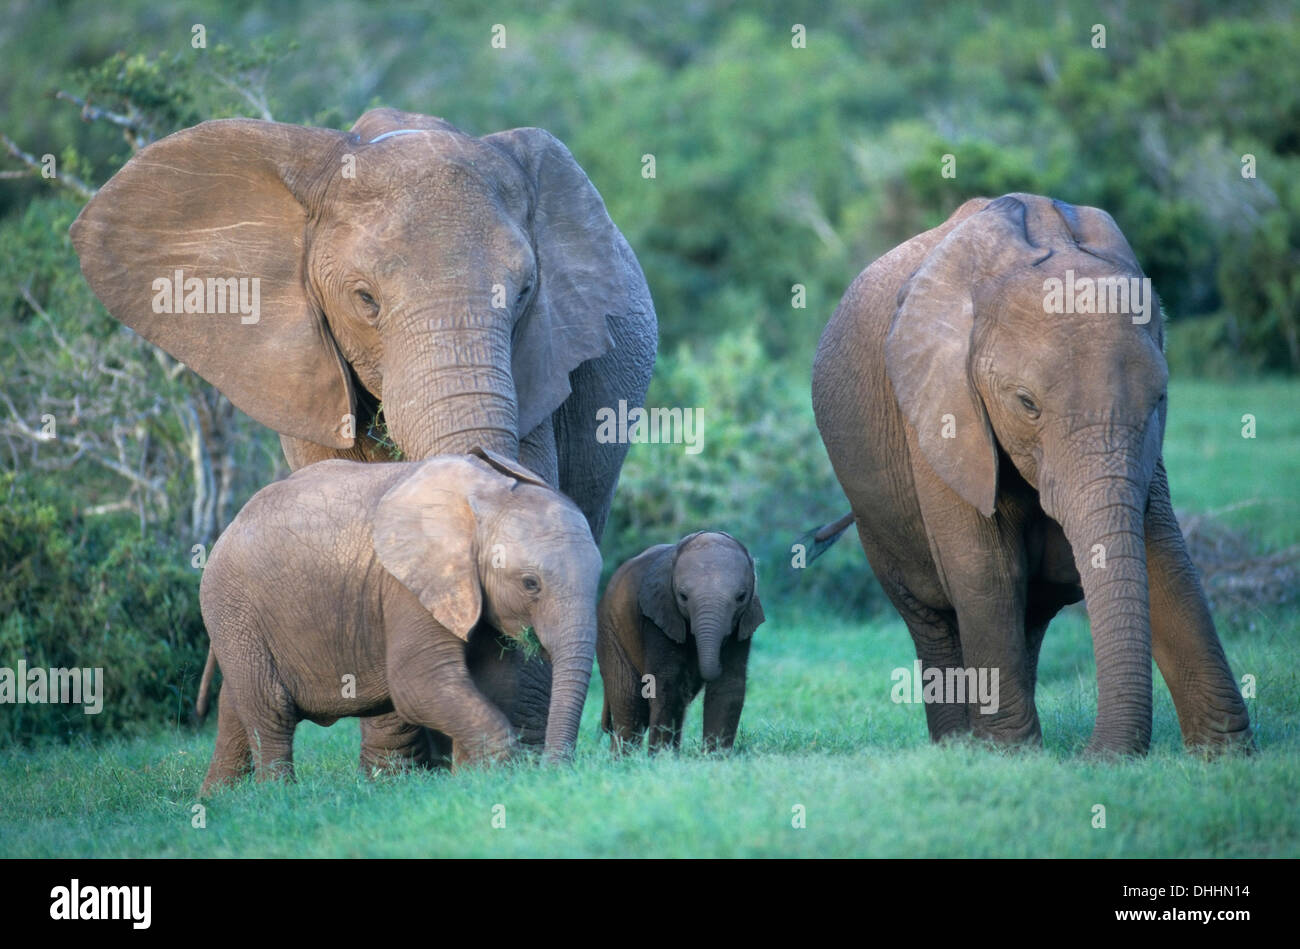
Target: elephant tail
[[819, 540], [205, 686]]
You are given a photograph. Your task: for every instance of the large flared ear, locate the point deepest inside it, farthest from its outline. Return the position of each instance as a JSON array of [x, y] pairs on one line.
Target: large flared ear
[[424, 535], [927, 351], [509, 467], [656, 599], [198, 244], [585, 274]]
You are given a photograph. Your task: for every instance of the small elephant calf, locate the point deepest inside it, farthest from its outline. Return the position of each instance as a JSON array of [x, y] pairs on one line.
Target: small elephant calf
[[352, 589], [700, 589]]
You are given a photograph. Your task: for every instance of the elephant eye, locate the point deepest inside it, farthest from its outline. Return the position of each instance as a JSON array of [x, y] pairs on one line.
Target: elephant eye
[[740, 597], [682, 597], [523, 292], [531, 583], [1029, 404], [368, 301]]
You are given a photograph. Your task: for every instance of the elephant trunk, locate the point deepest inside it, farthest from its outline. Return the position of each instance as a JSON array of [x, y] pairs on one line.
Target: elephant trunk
[[1103, 518], [572, 648], [452, 388], [709, 626]]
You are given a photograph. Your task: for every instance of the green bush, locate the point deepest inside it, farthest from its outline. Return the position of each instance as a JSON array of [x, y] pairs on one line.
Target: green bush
[[92, 592]]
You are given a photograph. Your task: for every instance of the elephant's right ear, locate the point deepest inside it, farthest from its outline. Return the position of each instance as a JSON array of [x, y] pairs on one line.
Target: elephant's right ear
[[656, 599], [928, 347], [586, 274], [424, 536], [198, 244]]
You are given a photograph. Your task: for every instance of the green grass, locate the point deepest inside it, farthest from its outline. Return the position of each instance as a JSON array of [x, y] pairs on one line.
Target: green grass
[[1251, 484], [819, 730]]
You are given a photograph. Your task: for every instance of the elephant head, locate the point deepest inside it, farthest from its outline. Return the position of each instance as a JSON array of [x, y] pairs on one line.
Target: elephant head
[[303, 271], [703, 585], [1029, 338], [483, 538]]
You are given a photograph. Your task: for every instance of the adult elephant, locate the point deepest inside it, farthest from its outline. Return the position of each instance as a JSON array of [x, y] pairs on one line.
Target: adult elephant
[[1003, 459], [474, 288]]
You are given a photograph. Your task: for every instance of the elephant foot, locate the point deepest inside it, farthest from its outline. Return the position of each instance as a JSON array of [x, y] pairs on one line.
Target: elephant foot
[[469, 754], [388, 743], [1110, 745], [1213, 742], [1011, 731]]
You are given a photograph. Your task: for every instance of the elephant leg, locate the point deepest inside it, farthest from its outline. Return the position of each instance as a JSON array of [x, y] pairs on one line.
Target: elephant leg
[[390, 743], [995, 642], [431, 685], [938, 646], [232, 759], [984, 566], [270, 717], [478, 729], [723, 701], [934, 635], [272, 747], [625, 716], [667, 711], [1186, 647]]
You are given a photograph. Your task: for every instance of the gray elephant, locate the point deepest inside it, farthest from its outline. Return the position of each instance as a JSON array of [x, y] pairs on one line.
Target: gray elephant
[[475, 287], [992, 397], [675, 619], [353, 590]]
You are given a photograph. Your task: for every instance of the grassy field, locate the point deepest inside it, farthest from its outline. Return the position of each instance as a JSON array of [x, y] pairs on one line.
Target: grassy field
[[820, 737]]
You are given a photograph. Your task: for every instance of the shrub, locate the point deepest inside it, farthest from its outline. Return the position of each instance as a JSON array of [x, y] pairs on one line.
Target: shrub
[[93, 592]]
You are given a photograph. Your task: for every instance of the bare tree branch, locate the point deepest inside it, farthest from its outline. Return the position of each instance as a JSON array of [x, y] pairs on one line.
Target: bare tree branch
[[26, 293], [65, 180], [138, 132], [257, 99]]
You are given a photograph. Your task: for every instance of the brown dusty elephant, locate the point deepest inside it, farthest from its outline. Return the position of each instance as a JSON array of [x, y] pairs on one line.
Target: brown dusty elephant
[[476, 288], [352, 589], [992, 397], [675, 619]]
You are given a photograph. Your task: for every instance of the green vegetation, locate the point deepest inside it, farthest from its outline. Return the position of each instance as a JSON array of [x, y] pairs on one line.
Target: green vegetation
[[76, 593]]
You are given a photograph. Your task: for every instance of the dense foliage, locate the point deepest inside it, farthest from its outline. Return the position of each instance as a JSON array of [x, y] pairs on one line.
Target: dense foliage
[[80, 592]]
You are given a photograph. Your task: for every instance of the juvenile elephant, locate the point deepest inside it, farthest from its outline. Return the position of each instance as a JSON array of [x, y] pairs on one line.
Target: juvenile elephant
[[475, 286], [992, 397], [701, 589], [352, 590]]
